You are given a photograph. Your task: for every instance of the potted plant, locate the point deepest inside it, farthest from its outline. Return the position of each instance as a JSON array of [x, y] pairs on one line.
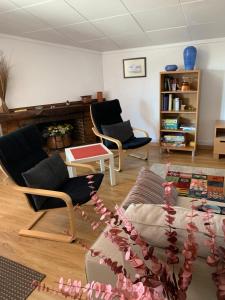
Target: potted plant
[[58, 136]]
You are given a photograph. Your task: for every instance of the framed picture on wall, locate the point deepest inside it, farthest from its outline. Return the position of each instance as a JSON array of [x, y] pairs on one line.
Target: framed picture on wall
[[134, 67]]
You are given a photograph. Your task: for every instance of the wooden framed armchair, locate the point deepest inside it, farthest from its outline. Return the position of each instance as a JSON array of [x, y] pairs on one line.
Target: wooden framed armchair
[[108, 114], [44, 180]]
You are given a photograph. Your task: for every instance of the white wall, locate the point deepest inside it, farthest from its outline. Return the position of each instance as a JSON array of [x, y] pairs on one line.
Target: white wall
[[139, 97], [44, 73]]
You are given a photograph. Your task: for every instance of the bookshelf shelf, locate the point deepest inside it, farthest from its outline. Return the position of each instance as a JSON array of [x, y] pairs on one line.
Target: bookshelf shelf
[[182, 148], [177, 112], [176, 130], [179, 108], [179, 92]]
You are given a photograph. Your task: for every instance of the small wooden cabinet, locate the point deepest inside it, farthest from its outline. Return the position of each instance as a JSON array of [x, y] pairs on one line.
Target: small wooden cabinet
[[179, 105], [219, 139]]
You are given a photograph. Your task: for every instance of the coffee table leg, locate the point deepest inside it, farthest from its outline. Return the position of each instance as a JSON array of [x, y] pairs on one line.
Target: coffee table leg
[[72, 172], [102, 165], [111, 170]]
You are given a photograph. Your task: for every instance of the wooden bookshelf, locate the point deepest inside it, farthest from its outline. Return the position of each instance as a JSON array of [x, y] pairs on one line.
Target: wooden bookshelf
[[186, 116]]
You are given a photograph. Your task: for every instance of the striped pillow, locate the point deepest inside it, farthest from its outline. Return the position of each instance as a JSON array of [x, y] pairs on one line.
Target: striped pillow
[[148, 189]]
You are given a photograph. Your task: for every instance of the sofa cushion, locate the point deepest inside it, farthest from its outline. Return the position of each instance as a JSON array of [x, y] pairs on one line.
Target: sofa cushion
[[121, 131], [149, 220], [49, 174], [148, 189]]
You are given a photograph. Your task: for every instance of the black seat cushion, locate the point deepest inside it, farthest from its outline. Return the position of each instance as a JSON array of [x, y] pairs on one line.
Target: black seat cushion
[[121, 131], [49, 174], [132, 143], [77, 188]]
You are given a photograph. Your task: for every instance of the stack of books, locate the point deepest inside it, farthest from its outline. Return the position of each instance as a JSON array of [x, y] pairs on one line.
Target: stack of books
[[188, 127], [178, 140], [171, 123]]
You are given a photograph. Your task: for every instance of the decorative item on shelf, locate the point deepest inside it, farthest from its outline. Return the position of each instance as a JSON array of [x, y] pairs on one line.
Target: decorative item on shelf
[[190, 108], [86, 98], [174, 84], [192, 144], [58, 136], [189, 54], [185, 86], [99, 96], [183, 106], [176, 104], [39, 107], [169, 68], [4, 76]]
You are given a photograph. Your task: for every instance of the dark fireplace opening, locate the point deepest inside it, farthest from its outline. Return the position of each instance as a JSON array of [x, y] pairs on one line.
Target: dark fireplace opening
[[75, 137]]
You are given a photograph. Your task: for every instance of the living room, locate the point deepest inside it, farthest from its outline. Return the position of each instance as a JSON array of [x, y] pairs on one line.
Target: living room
[[58, 51]]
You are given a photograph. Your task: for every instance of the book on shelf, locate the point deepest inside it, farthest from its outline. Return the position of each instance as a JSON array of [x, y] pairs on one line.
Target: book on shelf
[[170, 123], [165, 102], [173, 144], [188, 127], [174, 138], [170, 106]]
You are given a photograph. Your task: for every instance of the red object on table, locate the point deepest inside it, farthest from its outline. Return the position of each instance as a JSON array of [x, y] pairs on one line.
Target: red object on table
[[88, 151]]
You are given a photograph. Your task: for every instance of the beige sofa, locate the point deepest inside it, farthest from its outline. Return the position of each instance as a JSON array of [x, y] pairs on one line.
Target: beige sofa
[[149, 220]]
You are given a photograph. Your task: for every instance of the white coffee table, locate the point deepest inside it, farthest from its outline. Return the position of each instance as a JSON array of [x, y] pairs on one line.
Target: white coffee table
[[88, 153]]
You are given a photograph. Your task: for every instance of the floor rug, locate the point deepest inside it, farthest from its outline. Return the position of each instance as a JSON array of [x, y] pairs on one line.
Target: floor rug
[[198, 186], [16, 280], [193, 182]]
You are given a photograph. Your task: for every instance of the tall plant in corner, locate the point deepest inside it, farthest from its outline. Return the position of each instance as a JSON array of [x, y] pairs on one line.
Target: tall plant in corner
[[4, 76]]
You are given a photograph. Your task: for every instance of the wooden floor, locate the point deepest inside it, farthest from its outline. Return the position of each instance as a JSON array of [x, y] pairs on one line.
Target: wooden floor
[[58, 259]]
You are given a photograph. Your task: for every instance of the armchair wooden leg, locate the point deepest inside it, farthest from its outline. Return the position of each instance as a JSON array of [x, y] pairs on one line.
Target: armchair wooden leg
[[121, 161], [71, 215], [144, 156], [28, 232]]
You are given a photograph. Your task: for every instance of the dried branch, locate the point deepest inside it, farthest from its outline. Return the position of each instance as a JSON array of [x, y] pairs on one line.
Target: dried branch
[[4, 75]]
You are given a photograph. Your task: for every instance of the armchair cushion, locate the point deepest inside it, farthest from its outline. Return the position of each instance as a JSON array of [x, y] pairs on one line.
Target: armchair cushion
[[79, 195], [48, 174], [121, 131], [132, 143]]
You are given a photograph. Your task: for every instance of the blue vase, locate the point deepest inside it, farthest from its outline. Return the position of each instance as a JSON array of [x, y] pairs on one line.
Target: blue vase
[[190, 54]]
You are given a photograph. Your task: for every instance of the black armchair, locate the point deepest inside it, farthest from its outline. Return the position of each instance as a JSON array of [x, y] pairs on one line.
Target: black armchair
[[108, 114], [44, 180]]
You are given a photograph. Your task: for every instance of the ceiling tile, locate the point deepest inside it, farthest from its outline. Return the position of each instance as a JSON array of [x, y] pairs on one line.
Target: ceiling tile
[[24, 21], [56, 13], [50, 36], [143, 5], [161, 18], [118, 25], [6, 5], [81, 32], [100, 45], [185, 1], [22, 3], [11, 29], [97, 9], [204, 11], [172, 35], [207, 31], [132, 40]]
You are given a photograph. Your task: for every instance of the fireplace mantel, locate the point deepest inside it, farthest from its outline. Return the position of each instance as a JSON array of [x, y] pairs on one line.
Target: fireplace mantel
[[76, 112]]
